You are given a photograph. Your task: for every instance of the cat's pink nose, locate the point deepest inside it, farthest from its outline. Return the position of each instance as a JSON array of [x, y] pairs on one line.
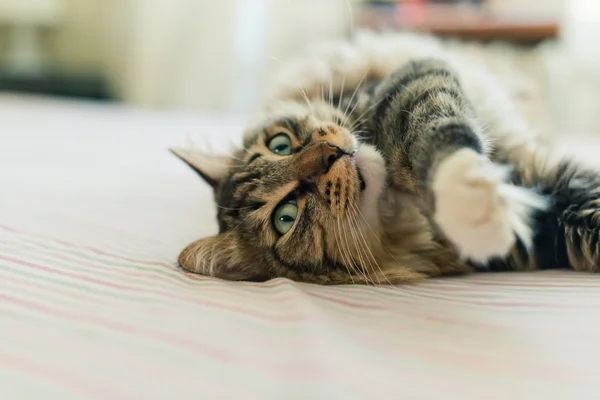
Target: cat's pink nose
[[317, 159]]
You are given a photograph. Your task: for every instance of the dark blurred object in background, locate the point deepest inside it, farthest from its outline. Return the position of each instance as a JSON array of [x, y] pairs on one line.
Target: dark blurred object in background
[[26, 65], [58, 83], [467, 19]]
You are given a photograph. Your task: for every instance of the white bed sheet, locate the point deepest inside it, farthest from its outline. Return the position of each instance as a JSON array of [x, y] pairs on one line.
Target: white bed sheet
[[93, 212]]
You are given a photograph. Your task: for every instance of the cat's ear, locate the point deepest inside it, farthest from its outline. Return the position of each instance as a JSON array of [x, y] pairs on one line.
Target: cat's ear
[[212, 168], [220, 256]]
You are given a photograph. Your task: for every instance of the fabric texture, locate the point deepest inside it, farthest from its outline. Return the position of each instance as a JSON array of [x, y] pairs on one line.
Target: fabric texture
[[93, 213]]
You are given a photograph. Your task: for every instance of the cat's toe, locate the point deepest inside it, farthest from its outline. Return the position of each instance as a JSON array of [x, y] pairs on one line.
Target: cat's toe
[[477, 210]]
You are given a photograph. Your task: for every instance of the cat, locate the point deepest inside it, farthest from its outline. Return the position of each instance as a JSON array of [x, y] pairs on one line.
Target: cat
[[387, 159]]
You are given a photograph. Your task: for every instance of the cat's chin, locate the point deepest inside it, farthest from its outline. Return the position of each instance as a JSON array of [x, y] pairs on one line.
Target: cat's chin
[[371, 169]]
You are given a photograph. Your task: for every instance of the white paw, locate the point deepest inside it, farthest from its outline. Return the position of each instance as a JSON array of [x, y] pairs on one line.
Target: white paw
[[477, 210]]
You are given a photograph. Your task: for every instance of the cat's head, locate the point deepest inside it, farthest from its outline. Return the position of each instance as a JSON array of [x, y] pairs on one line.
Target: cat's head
[[299, 200]]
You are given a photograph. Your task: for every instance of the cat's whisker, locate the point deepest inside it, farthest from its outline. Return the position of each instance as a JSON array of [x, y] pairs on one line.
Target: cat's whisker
[[322, 99], [339, 105], [362, 117], [337, 231], [308, 103], [357, 246], [343, 120], [378, 240], [358, 269], [357, 134], [322, 90], [347, 114], [366, 266], [330, 95], [360, 245], [346, 255], [358, 120], [333, 120], [358, 212], [338, 244], [362, 81], [350, 262], [275, 59], [356, 90]]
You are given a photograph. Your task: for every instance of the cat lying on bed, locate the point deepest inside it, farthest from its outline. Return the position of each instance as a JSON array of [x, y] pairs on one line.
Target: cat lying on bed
[[384, 160]]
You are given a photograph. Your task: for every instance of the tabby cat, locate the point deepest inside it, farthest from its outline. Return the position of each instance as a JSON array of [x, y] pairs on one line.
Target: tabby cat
[[388, 159]]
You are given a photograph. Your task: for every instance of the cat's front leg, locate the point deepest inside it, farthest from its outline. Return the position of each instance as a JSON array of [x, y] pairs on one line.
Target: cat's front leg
[[425, 125]]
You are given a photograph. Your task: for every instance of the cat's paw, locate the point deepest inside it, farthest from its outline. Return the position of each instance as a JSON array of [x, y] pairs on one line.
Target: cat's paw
[[477, 210]]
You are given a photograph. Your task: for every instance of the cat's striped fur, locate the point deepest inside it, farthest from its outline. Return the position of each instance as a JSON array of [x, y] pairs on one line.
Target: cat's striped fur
[[403, 173]]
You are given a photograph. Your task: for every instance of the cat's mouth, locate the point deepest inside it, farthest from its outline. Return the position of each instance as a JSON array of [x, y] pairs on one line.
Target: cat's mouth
[[362, 185], [361, 180], [370, 177]]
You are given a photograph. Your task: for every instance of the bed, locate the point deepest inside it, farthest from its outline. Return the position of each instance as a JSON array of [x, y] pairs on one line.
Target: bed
[[93, 213]]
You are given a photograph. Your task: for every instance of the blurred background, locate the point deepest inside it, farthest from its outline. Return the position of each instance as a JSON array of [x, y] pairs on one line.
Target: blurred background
[[215, 56]]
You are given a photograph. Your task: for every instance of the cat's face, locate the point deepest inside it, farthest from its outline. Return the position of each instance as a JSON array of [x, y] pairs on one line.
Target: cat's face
[[299, 201]]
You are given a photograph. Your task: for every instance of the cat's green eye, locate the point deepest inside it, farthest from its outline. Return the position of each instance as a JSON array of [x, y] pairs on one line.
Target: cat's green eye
[[281, 145], [285, 216]]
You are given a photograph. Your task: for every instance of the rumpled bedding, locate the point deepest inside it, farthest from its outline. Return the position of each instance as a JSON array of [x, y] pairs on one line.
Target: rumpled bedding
[[93, 213]]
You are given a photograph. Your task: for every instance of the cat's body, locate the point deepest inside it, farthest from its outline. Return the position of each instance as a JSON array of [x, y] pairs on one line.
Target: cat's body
[[384, 160]]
